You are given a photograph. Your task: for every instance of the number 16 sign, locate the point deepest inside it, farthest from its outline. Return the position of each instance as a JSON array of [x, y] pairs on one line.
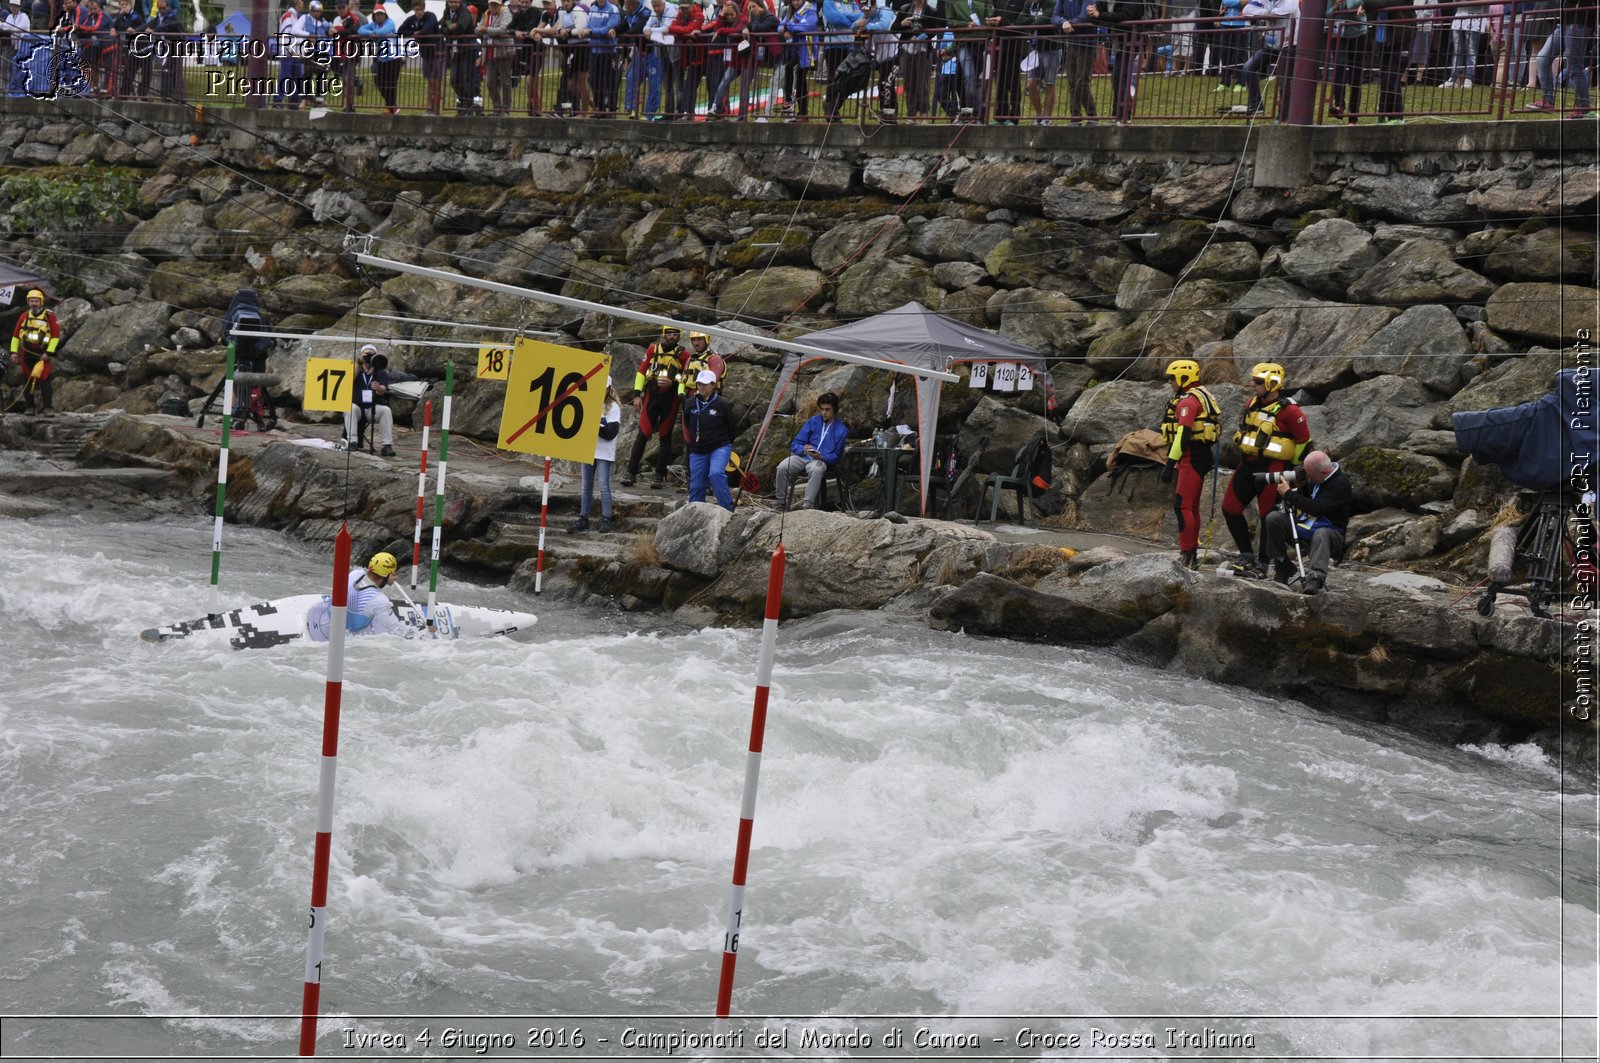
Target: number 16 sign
[[554, 399]]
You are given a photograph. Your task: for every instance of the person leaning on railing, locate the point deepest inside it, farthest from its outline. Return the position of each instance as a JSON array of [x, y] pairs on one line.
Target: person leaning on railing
[[1077, 21], [387, 62], [605, 26], [1570, 41], [918, 25], [494, 29], [165, 28], [797, 29], [1391, 24], [1011, 47], [1347, 44], [1122, 17], [631, 53], [460, 31], [660, 62], [685, 33], [572, 38], [422, 26]]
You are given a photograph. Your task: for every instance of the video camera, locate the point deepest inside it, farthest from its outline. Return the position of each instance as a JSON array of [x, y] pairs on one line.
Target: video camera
[[1295, 477]]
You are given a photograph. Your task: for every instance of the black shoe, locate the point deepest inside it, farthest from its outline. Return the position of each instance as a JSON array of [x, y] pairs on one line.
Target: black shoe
[[1281, 571], [1313, 584], [388, 451], [656, 485], [1189, 560], [579, 525], [605, 524], [629, 479]]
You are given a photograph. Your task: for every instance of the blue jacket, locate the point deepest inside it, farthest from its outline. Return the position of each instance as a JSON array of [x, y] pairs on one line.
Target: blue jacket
[[802, 25], [1072, 11], [828, 437], [844, 14], [603, 18]]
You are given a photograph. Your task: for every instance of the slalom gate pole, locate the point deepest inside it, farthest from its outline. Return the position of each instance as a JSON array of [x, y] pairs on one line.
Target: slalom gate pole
[[752, 775], [544, 519], [438, 504], [222, 483], [333, 694], [422, 486]]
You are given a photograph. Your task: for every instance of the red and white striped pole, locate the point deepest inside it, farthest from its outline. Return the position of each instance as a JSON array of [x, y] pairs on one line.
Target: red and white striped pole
[[752, 775], [438, 505], [333, 694], [422, 487], [544, 520]]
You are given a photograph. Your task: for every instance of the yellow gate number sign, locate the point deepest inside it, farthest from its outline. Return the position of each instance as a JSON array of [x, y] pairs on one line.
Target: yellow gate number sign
[[554, 399], [330, 383], [494, 363]]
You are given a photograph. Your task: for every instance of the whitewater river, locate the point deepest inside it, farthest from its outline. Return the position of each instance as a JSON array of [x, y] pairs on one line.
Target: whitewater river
[[962, 848]]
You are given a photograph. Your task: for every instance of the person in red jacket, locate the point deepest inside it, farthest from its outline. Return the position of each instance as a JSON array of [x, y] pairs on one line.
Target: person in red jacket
[[1190, 430], [685, 32], [33, 342], [1272, 436]]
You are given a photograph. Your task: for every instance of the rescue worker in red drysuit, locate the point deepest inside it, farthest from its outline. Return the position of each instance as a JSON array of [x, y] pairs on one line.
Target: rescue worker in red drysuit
[[33, 343], [1273, 435], [1189, 428], [658, 415]]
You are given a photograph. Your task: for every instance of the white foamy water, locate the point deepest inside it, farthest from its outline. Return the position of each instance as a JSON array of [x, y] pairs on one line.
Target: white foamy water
[[545, 828]]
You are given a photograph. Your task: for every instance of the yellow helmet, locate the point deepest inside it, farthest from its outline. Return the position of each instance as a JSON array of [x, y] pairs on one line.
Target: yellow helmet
[[699, 336], [1184, 372], [1269, 373], [382, 564], [36, 294], [674, 329]]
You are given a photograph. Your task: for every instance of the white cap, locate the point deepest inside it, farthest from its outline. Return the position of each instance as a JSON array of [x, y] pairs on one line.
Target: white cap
[[706, 377], [367, 348]]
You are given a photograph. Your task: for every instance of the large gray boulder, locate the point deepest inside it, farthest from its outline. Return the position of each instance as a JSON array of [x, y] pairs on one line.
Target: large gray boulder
[[1329, 255], [1508, 384], [1106, 413], [117, 334], [1546, 313], [1018, 185], [943, 240], [1048, 322], [855, 242], [1070, 198], [1196, 313], [1425, 343], [1271, 293], [1316, 344], [179, 231], [1143, 287], [769, 295], [1383, 477], [993, 605], [868, 288], [1420, 271], [1380, 412], [1549, 254], [1408, 197], [694, 538], [551, 173]]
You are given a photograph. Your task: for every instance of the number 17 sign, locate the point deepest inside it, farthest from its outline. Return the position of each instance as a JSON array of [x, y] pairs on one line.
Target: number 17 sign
[[554, 399]]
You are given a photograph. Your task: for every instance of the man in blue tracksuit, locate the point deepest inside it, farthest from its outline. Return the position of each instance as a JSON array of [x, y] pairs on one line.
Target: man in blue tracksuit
[[708, 430], [817, 448]]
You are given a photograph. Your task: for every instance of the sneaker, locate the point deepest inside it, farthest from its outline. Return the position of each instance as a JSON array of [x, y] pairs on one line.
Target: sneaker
[[1312, 584], [629, 480], [656, 485], [1391, 121], [1238, 89], [1467, 84], [605, 524], [579, 525], [1539, 105], [388, 451], [1220, 88], [1448, 84], [808, 505], [1582, 114]]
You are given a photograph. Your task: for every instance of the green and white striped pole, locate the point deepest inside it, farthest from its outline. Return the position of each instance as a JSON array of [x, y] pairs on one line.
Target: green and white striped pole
[[438, 504], [222, 481]]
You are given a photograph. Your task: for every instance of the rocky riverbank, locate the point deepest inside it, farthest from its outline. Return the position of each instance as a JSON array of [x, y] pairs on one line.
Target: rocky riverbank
[[1398, 280]]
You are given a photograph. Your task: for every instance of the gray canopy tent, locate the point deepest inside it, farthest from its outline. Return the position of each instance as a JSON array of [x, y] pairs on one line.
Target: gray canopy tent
[[916, 336]]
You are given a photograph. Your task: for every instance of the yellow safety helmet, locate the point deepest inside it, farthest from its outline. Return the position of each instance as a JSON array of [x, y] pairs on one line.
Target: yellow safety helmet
[[1184, 372], [382, 564], [734, 464], [699, 336], [670, 328], [36, 294], [1269, 373]]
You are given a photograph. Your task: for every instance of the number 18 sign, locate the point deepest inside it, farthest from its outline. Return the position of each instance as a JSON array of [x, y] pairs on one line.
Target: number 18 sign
[[554, 399]]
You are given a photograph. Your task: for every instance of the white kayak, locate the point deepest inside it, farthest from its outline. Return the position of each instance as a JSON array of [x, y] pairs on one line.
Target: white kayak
[[283, 620]]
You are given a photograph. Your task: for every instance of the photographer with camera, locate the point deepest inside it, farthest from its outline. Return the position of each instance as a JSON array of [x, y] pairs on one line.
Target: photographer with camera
[[1316, 510], [1272, 436], [1189, 428]]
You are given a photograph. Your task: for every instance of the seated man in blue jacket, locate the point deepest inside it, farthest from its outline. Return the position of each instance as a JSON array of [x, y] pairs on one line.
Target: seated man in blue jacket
[[819, 445]]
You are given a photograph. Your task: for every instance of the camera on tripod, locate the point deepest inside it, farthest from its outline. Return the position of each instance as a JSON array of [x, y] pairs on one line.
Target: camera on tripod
[[1287, 478]]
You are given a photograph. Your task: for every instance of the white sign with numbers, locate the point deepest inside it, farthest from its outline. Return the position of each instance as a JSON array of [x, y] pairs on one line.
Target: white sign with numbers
[[980, 375], [1005, 376], [1024, 377]]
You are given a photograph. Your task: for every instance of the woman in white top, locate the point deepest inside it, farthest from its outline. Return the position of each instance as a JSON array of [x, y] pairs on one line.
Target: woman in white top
[[605, 456], [1468, 25]]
